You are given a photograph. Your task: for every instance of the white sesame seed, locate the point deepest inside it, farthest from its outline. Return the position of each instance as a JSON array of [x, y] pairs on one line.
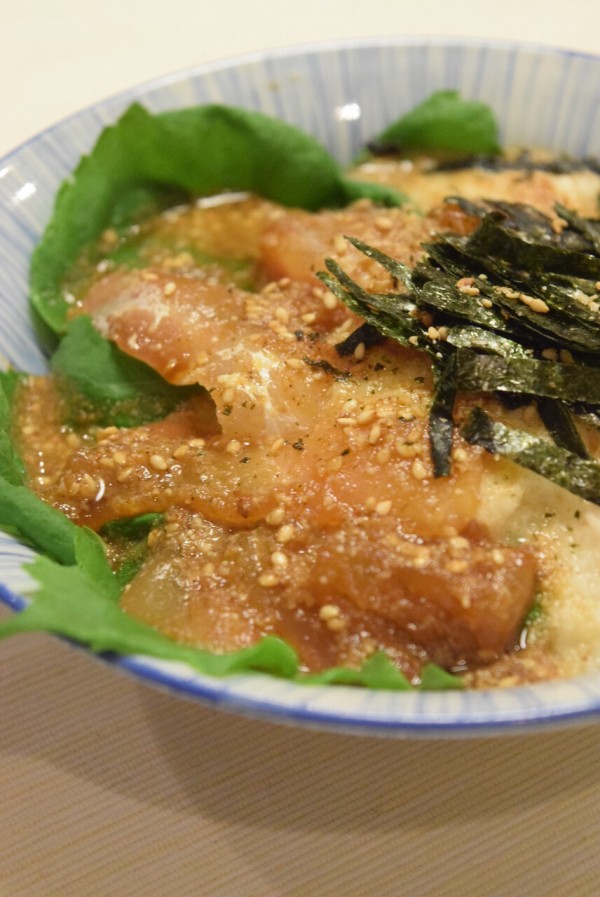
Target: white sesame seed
[[228, 395], [275, 517], [374, 433], [382, 508], [279, 559], [418, 469], [285, 533], [277, 445], [329, 612]]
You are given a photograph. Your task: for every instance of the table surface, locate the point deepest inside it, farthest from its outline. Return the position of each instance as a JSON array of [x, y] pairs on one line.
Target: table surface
[[109, 787]]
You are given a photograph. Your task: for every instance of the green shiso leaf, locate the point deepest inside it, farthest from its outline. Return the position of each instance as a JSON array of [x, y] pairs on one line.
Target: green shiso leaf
[[435, 678], [37, 523], [144, 160], [376, 672], [115, 388], [11, 466], [130, 536], [444, 121], [577, 475], [78, 601]]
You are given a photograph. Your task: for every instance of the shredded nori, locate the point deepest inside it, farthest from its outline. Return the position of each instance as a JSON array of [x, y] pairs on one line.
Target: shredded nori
[[516, 313]]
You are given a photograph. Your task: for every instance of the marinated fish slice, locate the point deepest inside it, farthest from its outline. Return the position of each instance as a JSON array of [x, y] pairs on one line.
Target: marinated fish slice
[[354, 591]]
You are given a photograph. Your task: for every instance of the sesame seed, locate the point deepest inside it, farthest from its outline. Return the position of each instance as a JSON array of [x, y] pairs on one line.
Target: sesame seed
[[334, 465], [346, 421], [339, 244], [267, 580], [197, 443], [275, 517], [309, 318], [405, 450], [285, 533], [229, 395], [88, 486], [282, 314], [294, 363], [366, 416], [359, 352], [124, 474], [329, 301], [383, 508], [181, 451], [277, 445], [487, 303], [383, 222], [374, 433], [329, 612], [158, 462], [73, 440], [279, 559], [383, 456], [459, 454], [336, 624], [497, 557], [418, 469], [170, 288], [233, 447]]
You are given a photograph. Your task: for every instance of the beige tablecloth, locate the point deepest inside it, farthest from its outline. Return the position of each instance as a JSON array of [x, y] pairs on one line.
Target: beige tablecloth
[[109, 787]]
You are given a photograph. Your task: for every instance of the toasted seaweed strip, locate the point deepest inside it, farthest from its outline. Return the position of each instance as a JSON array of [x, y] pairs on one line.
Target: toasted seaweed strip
[[522, 162], [578, 475], [586, 226], [443, 295], [399, 271], [441, 423], [494, 239], [569, 321], [391, 322], [465, 337], [557, 419], [365, 334], [492, 373]]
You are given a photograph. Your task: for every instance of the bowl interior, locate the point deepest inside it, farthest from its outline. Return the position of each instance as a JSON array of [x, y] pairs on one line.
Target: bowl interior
[[343, 94]]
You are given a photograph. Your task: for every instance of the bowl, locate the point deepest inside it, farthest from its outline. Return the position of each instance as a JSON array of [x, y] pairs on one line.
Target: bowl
[[343, 93]]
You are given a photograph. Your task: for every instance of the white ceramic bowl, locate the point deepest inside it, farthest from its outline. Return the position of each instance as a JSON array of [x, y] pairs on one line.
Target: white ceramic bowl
[[344, 94]]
